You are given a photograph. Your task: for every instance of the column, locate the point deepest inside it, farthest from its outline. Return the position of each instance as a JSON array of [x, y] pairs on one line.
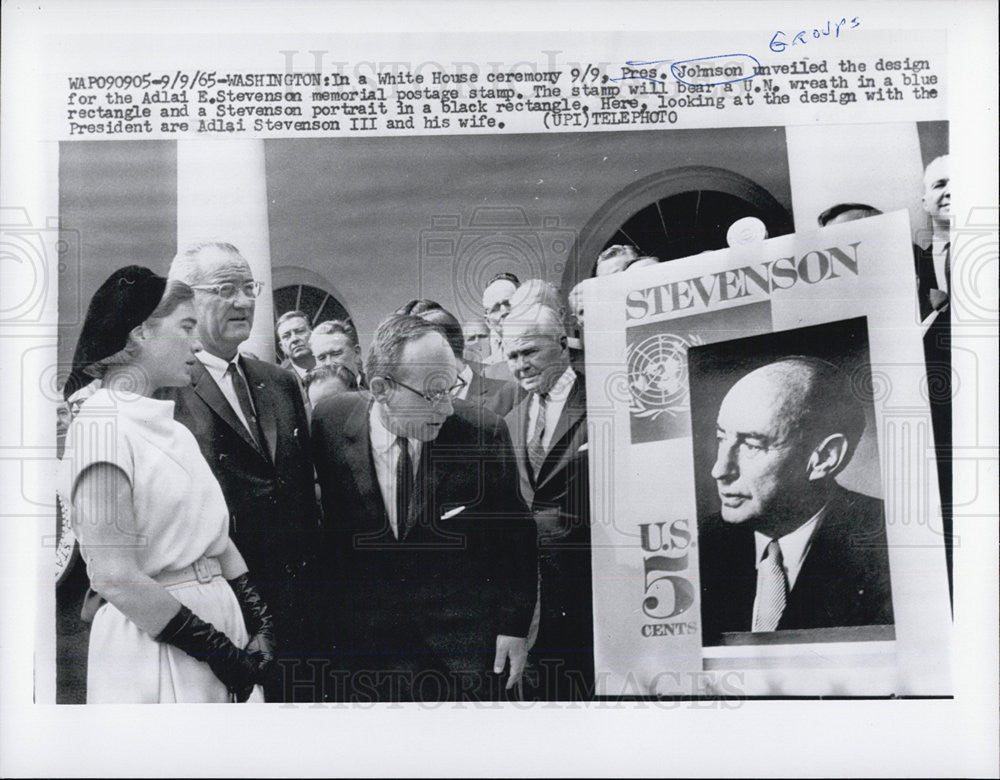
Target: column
[[222, 196]]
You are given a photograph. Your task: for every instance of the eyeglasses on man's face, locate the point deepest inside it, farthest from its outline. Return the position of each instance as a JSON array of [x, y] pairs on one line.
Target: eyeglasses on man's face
[[227, 290], [436, 396]]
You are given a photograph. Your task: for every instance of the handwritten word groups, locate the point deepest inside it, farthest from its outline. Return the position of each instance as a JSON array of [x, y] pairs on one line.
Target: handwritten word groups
[[709, 71], [779, 39]]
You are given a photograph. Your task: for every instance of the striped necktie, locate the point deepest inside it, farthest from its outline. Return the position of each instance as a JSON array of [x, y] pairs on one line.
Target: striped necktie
[[536, 448], [772, 589], [246, 406]]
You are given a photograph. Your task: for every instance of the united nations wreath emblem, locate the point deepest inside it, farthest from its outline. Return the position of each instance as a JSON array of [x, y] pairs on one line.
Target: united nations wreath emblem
[[657, 375]]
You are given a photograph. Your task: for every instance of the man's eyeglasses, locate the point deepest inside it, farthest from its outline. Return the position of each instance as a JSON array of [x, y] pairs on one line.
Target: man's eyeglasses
[[227, 290], [437, 396]]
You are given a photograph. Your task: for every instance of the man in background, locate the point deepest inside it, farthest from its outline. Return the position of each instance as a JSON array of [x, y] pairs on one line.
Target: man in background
[[846, 212], [328, 380], [292, 330], [549, 431], [496, 305], [615, 259], [335, 342], [477, 341], [538, 292], [935, 265], [934, 290]]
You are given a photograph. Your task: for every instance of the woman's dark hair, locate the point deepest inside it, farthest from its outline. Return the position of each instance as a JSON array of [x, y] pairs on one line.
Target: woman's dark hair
[[176, 293]]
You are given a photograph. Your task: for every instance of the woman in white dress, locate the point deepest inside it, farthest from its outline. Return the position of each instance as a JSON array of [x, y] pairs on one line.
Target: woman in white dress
[[150, 516]]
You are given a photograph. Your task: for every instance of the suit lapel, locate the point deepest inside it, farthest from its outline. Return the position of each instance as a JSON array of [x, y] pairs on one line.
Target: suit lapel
[[517, 424], [287, 365], [360, 461], [573, 410], [816, 588], [572, 414], [736, 571], [208, 391], [264, 403]]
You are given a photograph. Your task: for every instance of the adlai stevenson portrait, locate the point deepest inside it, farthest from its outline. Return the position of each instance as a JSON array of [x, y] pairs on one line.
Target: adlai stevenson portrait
[[786, 545]]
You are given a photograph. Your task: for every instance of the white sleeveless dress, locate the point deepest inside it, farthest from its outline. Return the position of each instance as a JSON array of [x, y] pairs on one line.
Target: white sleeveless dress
[[180, 516]]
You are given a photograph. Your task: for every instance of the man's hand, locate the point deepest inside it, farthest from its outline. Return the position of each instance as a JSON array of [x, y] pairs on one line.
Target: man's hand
[[514, 648]]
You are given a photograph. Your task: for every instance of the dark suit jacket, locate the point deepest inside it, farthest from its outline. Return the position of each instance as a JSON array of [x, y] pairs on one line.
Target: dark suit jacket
[[560, 502], [448, 586], [937, 356], [287, 365], [273, 514], [844, 580], [494, 394], [923, 266]]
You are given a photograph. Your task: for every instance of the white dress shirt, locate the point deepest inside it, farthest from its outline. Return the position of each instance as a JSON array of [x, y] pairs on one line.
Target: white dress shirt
[[496, 351], [794, 549], [217, 368], [466, 375], [385, 454], [554, 404]]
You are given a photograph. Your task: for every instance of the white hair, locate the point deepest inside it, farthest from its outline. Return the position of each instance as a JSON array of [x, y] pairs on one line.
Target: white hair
[[186, 265], [533, 320]]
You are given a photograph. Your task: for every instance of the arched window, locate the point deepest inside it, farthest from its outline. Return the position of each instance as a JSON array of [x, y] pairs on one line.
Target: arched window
[[318, 304], [675, 213]]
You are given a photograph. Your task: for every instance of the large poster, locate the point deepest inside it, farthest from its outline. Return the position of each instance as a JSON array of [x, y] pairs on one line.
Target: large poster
[[363, 155], [770, 524]]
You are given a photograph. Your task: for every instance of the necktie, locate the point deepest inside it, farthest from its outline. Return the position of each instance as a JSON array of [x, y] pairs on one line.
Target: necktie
[[536, 449], [243, 396], [305, 394], [404, 484], [772, 589], [947, 266]]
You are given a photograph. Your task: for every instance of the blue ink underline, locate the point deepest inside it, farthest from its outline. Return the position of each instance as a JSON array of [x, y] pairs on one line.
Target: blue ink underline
[[675, 66]]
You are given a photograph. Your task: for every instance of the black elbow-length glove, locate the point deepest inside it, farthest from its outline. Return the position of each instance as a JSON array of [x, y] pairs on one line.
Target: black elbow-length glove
[[258, 618], [238, 669]]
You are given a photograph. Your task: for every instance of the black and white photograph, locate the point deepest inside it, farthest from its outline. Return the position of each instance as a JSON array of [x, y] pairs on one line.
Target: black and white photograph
[[358, 233], [422, 392], [784, 544]]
